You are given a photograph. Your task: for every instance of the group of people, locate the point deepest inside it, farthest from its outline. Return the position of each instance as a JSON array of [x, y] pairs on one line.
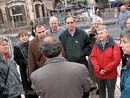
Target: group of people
[[54, 64]]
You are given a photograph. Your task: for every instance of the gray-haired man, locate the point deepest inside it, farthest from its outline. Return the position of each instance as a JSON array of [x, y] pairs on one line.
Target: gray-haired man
[[59, 78]]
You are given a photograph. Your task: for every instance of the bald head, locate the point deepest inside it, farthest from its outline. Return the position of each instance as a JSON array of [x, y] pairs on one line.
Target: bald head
[[123, 8], [54, 23]]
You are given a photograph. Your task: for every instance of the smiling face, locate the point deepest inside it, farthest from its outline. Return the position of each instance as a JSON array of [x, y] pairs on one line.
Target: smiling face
[[102, 35], [4, 47], [23, 38], [96, 24]]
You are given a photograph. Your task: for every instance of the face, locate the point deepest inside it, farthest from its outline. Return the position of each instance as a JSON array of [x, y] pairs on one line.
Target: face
[[128, 23], [96, 24], [70, 24], [102, 35], [54, 24], [125, 44], [41, 32], [23, 38], [3, 47]]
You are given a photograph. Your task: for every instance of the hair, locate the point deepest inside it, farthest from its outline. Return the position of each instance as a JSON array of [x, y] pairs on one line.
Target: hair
[[125, 33], [3, 38], [97, 19], [39, 25], [126, 19], [50, 46], [22, 33], [53, 18], [69, 17], [103, 27], [33, 28]]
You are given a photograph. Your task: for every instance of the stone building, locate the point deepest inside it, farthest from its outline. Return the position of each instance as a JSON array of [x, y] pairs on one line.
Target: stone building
[[17, 13]]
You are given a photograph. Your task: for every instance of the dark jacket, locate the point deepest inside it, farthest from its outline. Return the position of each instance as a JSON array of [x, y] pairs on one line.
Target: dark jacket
[[13, 79], [107, 58], [77, 47], [21, 58], [61, 79]]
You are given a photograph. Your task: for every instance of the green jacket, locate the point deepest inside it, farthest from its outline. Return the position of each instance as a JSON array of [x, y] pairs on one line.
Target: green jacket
[[9, 72], [77, 47]]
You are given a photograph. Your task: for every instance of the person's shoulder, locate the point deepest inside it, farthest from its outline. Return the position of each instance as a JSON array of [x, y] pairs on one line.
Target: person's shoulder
[[33, 41], [75, 65], [64, 32], [62, 28], [81, 30], [48, 31]]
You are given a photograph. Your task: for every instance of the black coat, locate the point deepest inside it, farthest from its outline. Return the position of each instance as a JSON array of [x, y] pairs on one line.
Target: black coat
[[21, 58]]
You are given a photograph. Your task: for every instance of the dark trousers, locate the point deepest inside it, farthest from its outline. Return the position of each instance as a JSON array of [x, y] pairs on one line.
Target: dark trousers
[[108, 84], [85, 95]]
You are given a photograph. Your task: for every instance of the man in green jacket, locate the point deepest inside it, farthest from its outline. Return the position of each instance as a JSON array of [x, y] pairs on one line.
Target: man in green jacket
[[76, 43]]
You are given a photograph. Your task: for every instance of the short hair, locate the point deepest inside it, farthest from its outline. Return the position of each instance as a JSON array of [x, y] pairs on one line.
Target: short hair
[[22, 33], [39, 25], [69, 17], [53, 18], [103, 27], [3, 38], [126, 19], [97, 19], [125, 33], [50, 46]]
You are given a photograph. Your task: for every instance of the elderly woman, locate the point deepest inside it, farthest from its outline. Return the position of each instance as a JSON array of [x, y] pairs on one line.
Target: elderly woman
[[92, 32], [9, 77], [125, 72], [127, 26]]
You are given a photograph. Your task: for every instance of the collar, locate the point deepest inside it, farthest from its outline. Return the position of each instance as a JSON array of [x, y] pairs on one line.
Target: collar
[[72, 33], [110, 42], [55, 60], [53, 31]]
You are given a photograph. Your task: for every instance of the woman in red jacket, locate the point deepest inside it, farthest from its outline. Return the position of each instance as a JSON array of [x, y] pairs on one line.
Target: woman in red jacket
[[105, 57]]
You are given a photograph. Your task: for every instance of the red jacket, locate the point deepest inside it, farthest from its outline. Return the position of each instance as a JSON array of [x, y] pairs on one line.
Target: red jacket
[[107, 59]]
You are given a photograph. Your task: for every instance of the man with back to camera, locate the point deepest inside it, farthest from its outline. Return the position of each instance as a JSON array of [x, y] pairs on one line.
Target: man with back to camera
[[59, 78]]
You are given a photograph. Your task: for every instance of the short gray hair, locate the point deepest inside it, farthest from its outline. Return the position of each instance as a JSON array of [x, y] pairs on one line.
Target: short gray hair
[[50, 46], [97, 19], [53, 17], [103, 27], [2, 38], [125, 33]]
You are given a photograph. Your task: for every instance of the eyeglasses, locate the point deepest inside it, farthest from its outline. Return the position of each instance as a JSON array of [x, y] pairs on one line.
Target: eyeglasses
[[69, 22]]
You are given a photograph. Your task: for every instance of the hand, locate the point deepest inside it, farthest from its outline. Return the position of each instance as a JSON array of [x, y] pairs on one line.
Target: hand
[[102, 72]]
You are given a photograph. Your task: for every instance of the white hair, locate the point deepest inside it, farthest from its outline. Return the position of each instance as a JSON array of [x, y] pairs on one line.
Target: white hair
[[99, 19]]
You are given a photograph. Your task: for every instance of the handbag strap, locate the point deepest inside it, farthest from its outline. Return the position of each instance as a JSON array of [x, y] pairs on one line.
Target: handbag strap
[[7, 76]]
